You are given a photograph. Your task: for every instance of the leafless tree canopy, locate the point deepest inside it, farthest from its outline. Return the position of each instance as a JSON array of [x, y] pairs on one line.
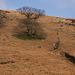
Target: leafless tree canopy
[[31, 11]]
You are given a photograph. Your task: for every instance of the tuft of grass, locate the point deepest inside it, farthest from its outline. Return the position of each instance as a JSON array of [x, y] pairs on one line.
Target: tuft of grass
[[13, 65], [39, 46], [2, 26], [26, 66]]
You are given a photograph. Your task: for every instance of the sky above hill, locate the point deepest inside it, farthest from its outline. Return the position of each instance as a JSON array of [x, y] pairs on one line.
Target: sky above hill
[[58, 8]]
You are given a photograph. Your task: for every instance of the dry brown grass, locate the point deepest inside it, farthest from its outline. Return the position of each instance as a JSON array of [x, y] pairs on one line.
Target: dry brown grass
[[37, 57]]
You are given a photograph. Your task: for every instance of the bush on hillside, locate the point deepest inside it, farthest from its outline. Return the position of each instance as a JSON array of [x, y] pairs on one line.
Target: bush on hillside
[[29, 29]]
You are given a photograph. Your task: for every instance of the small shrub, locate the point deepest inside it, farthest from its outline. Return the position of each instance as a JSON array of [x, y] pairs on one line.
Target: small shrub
[[61, 25]]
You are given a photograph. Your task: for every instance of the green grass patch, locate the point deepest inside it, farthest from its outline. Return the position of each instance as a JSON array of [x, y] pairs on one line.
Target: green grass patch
[[27, 37]]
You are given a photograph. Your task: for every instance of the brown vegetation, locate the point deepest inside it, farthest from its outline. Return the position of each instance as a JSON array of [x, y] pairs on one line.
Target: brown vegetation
[[2, 16], [37, 57]]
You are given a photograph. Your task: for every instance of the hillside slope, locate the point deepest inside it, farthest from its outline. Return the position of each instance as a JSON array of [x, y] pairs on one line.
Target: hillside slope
[[37, 57]]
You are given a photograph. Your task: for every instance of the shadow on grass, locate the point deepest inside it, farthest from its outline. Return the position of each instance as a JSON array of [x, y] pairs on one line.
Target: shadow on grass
[[29, 37]]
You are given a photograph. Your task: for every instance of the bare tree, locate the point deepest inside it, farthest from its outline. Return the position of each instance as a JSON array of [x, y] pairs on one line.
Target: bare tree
[[28, 26], [29, 12]]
